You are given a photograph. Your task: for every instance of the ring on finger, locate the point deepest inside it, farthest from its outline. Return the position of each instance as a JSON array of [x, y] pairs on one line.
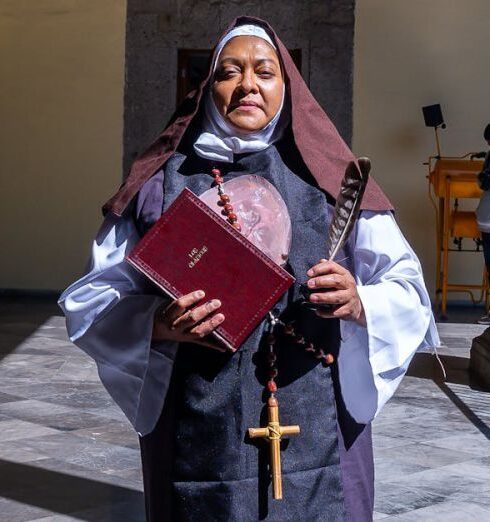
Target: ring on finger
[[188, 318]]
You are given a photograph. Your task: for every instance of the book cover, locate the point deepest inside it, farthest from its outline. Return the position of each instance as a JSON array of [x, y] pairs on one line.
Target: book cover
[[191, 247]]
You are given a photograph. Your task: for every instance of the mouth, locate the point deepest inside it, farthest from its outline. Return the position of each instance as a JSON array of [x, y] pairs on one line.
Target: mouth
[[246, 106]]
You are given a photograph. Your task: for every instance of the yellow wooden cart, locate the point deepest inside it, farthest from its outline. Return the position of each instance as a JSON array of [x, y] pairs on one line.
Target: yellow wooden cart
[[451, 179]]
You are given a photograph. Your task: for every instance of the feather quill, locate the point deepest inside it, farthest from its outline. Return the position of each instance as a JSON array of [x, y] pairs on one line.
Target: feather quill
[[348, 205], [346, 211]]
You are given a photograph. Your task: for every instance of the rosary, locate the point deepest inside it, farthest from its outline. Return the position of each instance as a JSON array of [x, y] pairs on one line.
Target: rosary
[[273, 432]]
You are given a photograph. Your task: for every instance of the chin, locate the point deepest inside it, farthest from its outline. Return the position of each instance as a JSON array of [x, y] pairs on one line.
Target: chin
[[245, 124]]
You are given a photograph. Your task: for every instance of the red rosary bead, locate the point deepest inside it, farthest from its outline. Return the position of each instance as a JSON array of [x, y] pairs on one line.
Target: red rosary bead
[[329, 358], [310, 347], [272, 358], [300, 339], [228, 210], [273, 373], [271, 386], [224, 200]]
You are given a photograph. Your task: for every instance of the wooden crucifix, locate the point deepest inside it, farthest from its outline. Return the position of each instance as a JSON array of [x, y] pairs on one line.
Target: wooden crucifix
[[273, 433]]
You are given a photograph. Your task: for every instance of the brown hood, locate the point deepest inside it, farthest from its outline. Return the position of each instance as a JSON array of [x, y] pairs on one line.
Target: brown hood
[[323, 150]]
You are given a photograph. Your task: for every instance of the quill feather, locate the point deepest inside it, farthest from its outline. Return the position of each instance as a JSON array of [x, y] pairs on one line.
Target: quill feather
[[346, 211], [348, 205]]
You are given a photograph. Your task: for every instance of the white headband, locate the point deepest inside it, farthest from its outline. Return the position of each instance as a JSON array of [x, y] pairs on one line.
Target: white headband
[[242, 30]]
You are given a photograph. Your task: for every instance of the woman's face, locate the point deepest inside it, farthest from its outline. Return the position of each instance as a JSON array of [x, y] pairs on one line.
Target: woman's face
[[248, 83]]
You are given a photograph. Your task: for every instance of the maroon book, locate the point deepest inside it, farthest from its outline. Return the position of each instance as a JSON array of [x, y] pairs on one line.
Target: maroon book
[[191, 247]]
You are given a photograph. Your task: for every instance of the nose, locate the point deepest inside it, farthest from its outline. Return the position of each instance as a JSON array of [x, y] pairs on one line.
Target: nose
[[249, 83]]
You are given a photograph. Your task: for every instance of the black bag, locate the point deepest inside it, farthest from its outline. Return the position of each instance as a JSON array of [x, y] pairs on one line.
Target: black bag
[[484, 179]]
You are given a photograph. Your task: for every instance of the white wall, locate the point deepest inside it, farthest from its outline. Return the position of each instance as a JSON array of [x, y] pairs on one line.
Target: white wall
[[61, 110], [407, 55]]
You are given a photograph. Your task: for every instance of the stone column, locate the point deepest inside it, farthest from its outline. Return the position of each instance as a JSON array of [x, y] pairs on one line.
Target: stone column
[[156, 29]]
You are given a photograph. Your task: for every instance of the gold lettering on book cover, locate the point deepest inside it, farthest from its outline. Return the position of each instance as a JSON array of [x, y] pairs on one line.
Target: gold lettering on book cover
[[196, 255]]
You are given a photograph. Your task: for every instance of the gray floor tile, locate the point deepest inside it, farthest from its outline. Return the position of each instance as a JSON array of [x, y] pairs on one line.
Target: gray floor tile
[[476, 494], [10, 451], [13, 511], [56, 469], [17, 429], [423, 429], [402, 411], [476, 468], [7, 398], [446, 512], [109, 412], [474, 443], [54, 487], [57, 518], [31, 366], [389, 469], [83, 370], [425, 455], [382, 442], [85, 452], [56, 416], [32, 389], [60, 429], [114, 513], [132, 478], [441, 482], [118, 433], [394, 499]]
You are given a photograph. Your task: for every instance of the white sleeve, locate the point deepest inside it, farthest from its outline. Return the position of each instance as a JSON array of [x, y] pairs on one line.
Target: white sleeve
[[373, 360], [109, 314]]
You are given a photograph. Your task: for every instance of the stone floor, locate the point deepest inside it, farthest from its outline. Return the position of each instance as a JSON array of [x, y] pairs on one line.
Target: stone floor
[[67, 453]]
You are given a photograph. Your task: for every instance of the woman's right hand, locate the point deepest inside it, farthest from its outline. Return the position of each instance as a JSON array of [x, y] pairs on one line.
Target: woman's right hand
[[183, 320]]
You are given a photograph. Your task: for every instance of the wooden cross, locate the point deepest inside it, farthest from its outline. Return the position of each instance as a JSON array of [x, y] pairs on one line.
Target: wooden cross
[[273, 433]]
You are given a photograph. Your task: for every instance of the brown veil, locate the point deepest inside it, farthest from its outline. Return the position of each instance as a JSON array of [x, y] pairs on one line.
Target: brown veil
[[322, 149]]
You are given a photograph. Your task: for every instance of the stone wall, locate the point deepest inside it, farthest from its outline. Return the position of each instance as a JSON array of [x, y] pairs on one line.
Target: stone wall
[[323, 30]]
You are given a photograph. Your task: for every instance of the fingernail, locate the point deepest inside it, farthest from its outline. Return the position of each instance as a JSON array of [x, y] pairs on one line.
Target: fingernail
[[310, 273], [220, 318], [311, 283], [199, 294], [216, 303], [314, 297]]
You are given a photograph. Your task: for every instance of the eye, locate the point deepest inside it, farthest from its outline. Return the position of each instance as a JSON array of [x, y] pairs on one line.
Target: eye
[[266, 73], [227, 72]]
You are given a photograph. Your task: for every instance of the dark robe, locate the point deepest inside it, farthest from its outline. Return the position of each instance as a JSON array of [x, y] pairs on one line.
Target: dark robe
[[198, 463]]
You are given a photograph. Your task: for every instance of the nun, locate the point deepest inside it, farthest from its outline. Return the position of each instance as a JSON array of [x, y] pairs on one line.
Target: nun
[[254, 123]]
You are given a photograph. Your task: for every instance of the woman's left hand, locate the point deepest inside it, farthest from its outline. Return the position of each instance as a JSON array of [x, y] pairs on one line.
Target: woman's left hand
[[329, 275]]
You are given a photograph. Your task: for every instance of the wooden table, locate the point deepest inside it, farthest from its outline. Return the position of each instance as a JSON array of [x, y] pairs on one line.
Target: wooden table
[[451, 179]]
